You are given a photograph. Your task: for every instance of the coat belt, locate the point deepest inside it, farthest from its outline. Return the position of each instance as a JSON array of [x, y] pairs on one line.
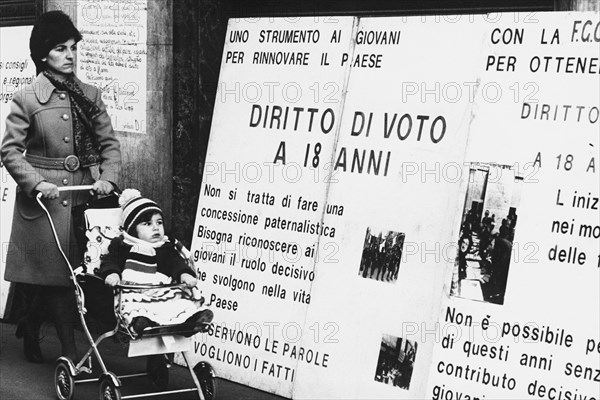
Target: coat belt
[[70, 163]]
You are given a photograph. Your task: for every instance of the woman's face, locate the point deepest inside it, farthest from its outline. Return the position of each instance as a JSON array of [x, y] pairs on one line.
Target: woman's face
[[61, 59], [152, 230]]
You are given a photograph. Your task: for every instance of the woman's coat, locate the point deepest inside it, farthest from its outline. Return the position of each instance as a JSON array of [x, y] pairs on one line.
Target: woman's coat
[[40, 125]]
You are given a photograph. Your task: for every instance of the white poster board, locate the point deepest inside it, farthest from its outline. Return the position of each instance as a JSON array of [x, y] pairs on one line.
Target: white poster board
[[256, 190], [113, 57], [16, 70], [8, 189], [528, 326], [418, 120], [385, 272]]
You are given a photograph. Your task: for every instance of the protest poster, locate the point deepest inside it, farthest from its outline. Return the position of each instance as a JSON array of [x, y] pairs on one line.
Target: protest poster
[[282, 124], [522, 318], [362, 274]]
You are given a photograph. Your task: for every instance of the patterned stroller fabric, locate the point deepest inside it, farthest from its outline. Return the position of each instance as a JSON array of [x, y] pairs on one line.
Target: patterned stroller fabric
[[97, 246], [101, 226]]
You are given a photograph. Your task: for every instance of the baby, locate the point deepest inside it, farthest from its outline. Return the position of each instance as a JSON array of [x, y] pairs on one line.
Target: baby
[[142, 254]]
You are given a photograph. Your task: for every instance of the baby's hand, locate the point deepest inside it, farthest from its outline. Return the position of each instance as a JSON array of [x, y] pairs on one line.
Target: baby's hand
[[112, 279], [188, 280]]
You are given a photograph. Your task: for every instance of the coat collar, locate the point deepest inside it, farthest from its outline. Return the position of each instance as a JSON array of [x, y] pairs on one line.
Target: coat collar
[[43, 88]]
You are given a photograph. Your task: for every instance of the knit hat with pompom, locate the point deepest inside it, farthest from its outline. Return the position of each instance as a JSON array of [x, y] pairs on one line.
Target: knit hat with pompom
[[134, 207]]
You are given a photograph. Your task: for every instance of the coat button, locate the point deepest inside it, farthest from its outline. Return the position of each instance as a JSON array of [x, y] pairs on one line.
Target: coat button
[[65, 181], [67, 139], [65, 117], [64, 203], [62, 96]]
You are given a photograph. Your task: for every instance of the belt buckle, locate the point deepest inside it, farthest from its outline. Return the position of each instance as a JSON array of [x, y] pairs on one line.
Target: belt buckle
[[71, 163]]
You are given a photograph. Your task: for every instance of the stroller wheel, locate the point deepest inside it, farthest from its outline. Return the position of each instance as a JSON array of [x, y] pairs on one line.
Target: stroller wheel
[[206, 377], [63, 380], [108, 389]]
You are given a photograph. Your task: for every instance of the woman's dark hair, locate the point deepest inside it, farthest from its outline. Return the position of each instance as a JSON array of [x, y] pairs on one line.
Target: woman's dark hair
[[52, 28]]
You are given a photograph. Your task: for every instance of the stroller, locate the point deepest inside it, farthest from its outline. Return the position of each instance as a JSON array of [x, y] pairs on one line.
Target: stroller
[[100, 224]]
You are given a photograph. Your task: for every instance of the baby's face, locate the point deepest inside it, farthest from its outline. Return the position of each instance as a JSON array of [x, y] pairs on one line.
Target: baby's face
[[151, 231]]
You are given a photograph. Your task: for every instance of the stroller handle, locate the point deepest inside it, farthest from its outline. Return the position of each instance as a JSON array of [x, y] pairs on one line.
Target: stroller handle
[[75, 188], [69, 189]]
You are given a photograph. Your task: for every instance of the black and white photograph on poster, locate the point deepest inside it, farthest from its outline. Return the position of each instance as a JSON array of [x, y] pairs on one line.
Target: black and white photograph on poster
[[487, 231], [381, 256], [396, 361]]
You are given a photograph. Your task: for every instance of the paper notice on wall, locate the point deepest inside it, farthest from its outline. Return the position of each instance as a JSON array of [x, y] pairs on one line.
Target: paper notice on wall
[[113, 57], [16, 71]]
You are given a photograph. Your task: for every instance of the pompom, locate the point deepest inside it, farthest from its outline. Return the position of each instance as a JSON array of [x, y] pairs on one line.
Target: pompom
[[127, 195]]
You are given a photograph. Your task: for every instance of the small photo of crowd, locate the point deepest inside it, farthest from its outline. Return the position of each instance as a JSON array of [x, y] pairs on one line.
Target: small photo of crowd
[[396, 361], [381, 256], [487, 232]]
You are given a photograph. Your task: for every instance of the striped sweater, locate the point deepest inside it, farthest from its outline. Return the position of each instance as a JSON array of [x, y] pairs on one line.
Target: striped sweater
[[167, 259]]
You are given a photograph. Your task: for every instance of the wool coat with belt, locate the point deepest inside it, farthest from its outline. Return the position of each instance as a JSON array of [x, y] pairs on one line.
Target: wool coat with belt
[[37, 140]]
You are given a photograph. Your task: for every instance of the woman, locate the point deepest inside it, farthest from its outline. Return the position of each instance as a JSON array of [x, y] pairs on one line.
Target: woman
[[58, 133]]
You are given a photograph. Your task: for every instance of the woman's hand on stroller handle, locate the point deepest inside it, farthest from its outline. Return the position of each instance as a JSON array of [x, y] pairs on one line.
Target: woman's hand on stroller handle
[[47, 190], [103, 187]]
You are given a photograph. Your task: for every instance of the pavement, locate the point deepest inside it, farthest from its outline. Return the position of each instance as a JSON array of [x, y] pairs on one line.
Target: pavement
[[22, 380]]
